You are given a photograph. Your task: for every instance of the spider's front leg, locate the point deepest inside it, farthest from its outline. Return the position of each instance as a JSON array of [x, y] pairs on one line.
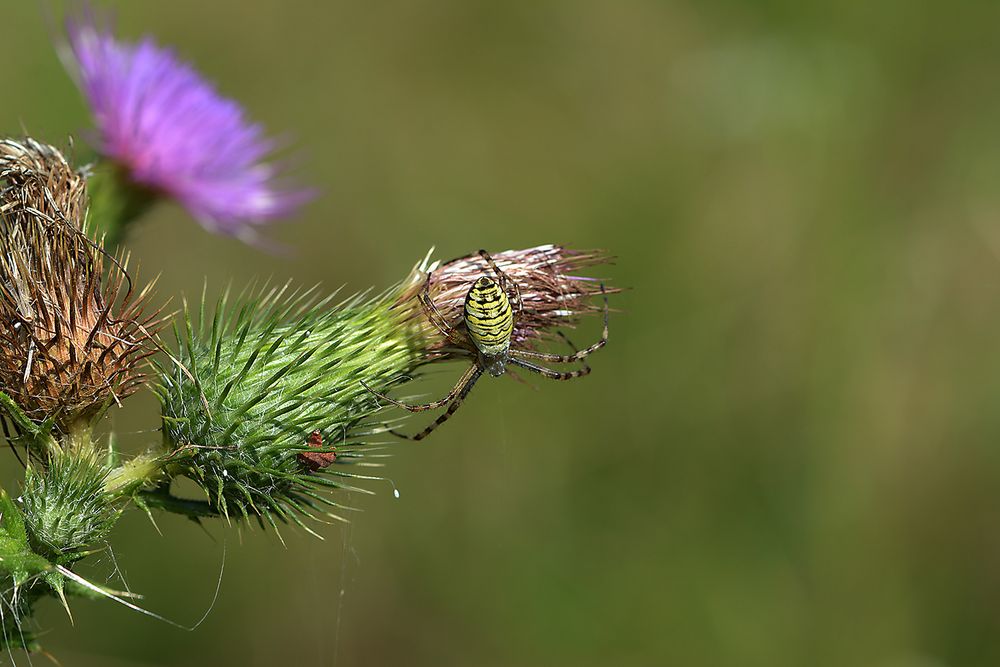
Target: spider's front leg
[[435, 317], [507, 284]]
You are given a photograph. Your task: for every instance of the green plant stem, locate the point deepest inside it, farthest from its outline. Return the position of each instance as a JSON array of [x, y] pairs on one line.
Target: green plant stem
[[80, 437], [143, 470], [115, 202]]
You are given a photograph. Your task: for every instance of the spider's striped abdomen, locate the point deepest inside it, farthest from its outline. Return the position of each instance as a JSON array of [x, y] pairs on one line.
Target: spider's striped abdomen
[[488, 317]]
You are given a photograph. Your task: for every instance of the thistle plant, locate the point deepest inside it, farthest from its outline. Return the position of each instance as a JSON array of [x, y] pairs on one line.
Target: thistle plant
[[75, 333], [265, 393], [264, 401]]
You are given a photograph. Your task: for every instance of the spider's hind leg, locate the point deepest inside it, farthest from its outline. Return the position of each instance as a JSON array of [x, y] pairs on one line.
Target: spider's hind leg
[[576, 356], [583, 360], [455, 405], [548, 372], [432, 405]]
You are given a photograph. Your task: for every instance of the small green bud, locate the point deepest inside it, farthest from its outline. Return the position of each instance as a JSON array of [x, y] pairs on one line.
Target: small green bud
[[65, 506]]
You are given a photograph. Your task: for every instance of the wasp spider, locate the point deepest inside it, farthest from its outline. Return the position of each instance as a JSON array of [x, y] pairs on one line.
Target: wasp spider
[[485, 334]]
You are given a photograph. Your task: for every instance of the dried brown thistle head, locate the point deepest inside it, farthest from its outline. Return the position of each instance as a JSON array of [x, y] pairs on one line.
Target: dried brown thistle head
[[72, 339], [552, 296]]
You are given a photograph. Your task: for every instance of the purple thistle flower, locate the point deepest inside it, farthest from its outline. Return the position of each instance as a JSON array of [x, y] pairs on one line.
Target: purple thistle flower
[[175, 134]]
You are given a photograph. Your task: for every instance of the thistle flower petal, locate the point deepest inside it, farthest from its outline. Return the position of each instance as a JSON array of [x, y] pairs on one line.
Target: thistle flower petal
[[173, 133]]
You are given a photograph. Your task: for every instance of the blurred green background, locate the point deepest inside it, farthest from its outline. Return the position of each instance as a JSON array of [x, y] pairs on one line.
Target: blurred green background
[[789, 454]]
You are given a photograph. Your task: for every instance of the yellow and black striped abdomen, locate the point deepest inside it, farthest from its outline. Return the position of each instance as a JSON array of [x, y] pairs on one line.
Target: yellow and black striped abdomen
[[488, 317]]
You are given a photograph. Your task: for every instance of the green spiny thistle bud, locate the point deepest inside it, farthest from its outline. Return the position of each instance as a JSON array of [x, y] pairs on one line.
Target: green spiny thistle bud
[[72, 339], [263, 376], [65, 506], [266, 402]]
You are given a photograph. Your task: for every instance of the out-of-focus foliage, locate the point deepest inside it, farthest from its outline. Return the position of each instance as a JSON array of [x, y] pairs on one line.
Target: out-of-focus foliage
[[789, 452]]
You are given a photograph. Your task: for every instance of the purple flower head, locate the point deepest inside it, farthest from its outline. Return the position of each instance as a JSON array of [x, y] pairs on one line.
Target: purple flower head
[[173, 133]]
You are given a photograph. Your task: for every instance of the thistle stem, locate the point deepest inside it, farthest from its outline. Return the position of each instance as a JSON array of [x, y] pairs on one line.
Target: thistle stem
[[115, 202], [80, 437], [143, 470]]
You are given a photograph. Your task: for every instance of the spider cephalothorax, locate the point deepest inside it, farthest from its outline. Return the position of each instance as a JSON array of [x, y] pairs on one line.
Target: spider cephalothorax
[[489, 317]]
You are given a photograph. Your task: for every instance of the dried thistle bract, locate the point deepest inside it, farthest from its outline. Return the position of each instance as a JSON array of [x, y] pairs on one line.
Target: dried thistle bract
[[71, 338]]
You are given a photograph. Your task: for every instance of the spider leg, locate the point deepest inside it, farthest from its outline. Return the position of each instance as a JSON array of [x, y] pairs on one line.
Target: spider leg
[[434, 315], [493, 265], [548, 372], [566, 359], [576, 350], [428, 406], [586, 367], [506, 282], [446, 415], [518, 304], [10, 442]]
